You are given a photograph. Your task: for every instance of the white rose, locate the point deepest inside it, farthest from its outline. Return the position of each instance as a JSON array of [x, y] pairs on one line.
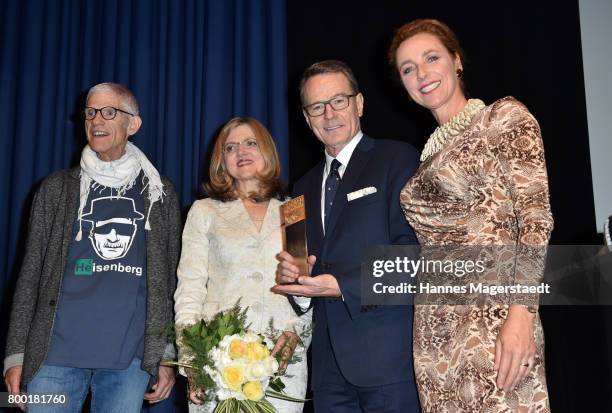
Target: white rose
[[251, 337], [271, 365], [258, 371]]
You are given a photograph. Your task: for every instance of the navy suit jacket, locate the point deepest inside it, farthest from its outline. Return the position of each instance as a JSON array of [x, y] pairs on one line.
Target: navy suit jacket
[[372, 345]]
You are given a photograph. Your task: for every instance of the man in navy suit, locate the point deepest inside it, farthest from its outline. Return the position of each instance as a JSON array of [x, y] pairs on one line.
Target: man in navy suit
[[361, 355]]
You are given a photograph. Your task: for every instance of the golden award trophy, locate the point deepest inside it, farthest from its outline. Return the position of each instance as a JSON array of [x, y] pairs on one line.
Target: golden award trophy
[[293, 221]]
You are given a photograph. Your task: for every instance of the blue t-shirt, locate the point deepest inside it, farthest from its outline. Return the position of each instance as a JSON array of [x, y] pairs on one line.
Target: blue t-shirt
[[100, 317]]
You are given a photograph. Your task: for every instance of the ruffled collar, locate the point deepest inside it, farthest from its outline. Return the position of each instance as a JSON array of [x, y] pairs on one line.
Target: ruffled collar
[[453, 127]]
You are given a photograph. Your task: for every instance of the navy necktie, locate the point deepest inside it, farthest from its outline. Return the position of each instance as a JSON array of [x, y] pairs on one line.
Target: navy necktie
[[331, 187]]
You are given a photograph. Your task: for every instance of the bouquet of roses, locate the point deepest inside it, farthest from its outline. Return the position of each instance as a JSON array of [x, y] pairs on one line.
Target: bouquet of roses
[[233, 365]]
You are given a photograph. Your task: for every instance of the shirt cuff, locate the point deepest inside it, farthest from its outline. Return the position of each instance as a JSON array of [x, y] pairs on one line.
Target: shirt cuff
[[303, 302], [169, 353], [13, 360]]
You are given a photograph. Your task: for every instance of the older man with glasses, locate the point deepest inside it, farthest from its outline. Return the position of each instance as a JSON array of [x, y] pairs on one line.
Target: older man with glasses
[[89, 310], [361, 355]]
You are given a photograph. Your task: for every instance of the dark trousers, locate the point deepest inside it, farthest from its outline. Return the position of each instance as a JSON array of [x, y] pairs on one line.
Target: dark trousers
[[336, 395]]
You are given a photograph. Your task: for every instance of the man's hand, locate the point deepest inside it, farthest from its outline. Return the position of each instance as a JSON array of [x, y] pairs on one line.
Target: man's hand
[[163, 387], [12, 379], [286, 343], [324, 285], [287, 272], [515, 348], [289, 280]]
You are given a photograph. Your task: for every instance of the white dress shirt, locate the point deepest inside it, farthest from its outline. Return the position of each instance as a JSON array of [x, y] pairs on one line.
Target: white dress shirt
[[344, 156]]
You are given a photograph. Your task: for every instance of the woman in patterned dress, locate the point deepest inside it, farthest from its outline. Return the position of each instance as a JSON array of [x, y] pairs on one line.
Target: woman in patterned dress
[[482, 182]]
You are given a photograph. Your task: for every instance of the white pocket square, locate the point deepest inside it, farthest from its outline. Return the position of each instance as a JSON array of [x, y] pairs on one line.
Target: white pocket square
[[360, 193]]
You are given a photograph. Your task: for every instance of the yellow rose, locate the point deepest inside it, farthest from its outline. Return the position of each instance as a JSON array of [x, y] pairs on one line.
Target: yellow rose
[[233, 377], [237, 349], [253, 390], [257, 352]]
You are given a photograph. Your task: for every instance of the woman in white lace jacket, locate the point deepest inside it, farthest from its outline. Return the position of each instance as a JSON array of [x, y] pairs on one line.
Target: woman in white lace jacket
[[230, 242]]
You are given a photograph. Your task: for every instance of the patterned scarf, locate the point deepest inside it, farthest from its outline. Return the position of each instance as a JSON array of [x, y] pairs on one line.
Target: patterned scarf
[[119, 175]]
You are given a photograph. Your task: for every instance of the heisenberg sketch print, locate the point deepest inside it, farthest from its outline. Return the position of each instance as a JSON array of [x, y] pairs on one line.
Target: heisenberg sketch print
[[111, 235]]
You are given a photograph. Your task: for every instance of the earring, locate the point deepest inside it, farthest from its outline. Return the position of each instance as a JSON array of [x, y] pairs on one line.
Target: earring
[[459, 73]]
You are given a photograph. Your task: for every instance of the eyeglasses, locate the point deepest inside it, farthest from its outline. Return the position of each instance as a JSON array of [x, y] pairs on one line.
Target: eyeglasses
[[249, 144], [337, 103], [107, 112]]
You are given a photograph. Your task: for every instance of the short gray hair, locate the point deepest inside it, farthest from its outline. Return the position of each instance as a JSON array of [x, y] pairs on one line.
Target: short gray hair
[[128, 100], [325, 67]]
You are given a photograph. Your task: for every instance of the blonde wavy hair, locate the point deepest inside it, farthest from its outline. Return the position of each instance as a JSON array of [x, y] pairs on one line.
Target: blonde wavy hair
[[223, 187]]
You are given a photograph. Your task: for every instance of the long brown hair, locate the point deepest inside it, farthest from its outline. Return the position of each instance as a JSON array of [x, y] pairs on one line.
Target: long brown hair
[[222, 186]]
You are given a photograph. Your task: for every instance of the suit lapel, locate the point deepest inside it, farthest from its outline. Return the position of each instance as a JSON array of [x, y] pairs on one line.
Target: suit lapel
[[356, 166]]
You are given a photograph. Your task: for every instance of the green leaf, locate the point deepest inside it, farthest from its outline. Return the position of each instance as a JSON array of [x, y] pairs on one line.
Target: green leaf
[[266, 407], [283, 396], [249, 406], [221, 407], [235, 406], [277, 384]]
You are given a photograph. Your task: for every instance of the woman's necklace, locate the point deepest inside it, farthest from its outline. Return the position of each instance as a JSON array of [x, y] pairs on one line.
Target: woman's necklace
[[453, 127]]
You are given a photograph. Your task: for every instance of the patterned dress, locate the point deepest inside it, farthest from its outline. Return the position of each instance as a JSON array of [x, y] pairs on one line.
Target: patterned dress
[[486, 186]]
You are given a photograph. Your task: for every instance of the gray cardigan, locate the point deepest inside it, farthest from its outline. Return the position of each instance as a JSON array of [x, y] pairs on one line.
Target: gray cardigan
[[54, 211]]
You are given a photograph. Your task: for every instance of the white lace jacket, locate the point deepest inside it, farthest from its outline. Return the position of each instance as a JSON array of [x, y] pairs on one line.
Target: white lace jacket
[[223, 259]]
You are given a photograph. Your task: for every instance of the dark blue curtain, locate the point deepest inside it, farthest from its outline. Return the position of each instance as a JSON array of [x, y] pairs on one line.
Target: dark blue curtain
[[191, 64]]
